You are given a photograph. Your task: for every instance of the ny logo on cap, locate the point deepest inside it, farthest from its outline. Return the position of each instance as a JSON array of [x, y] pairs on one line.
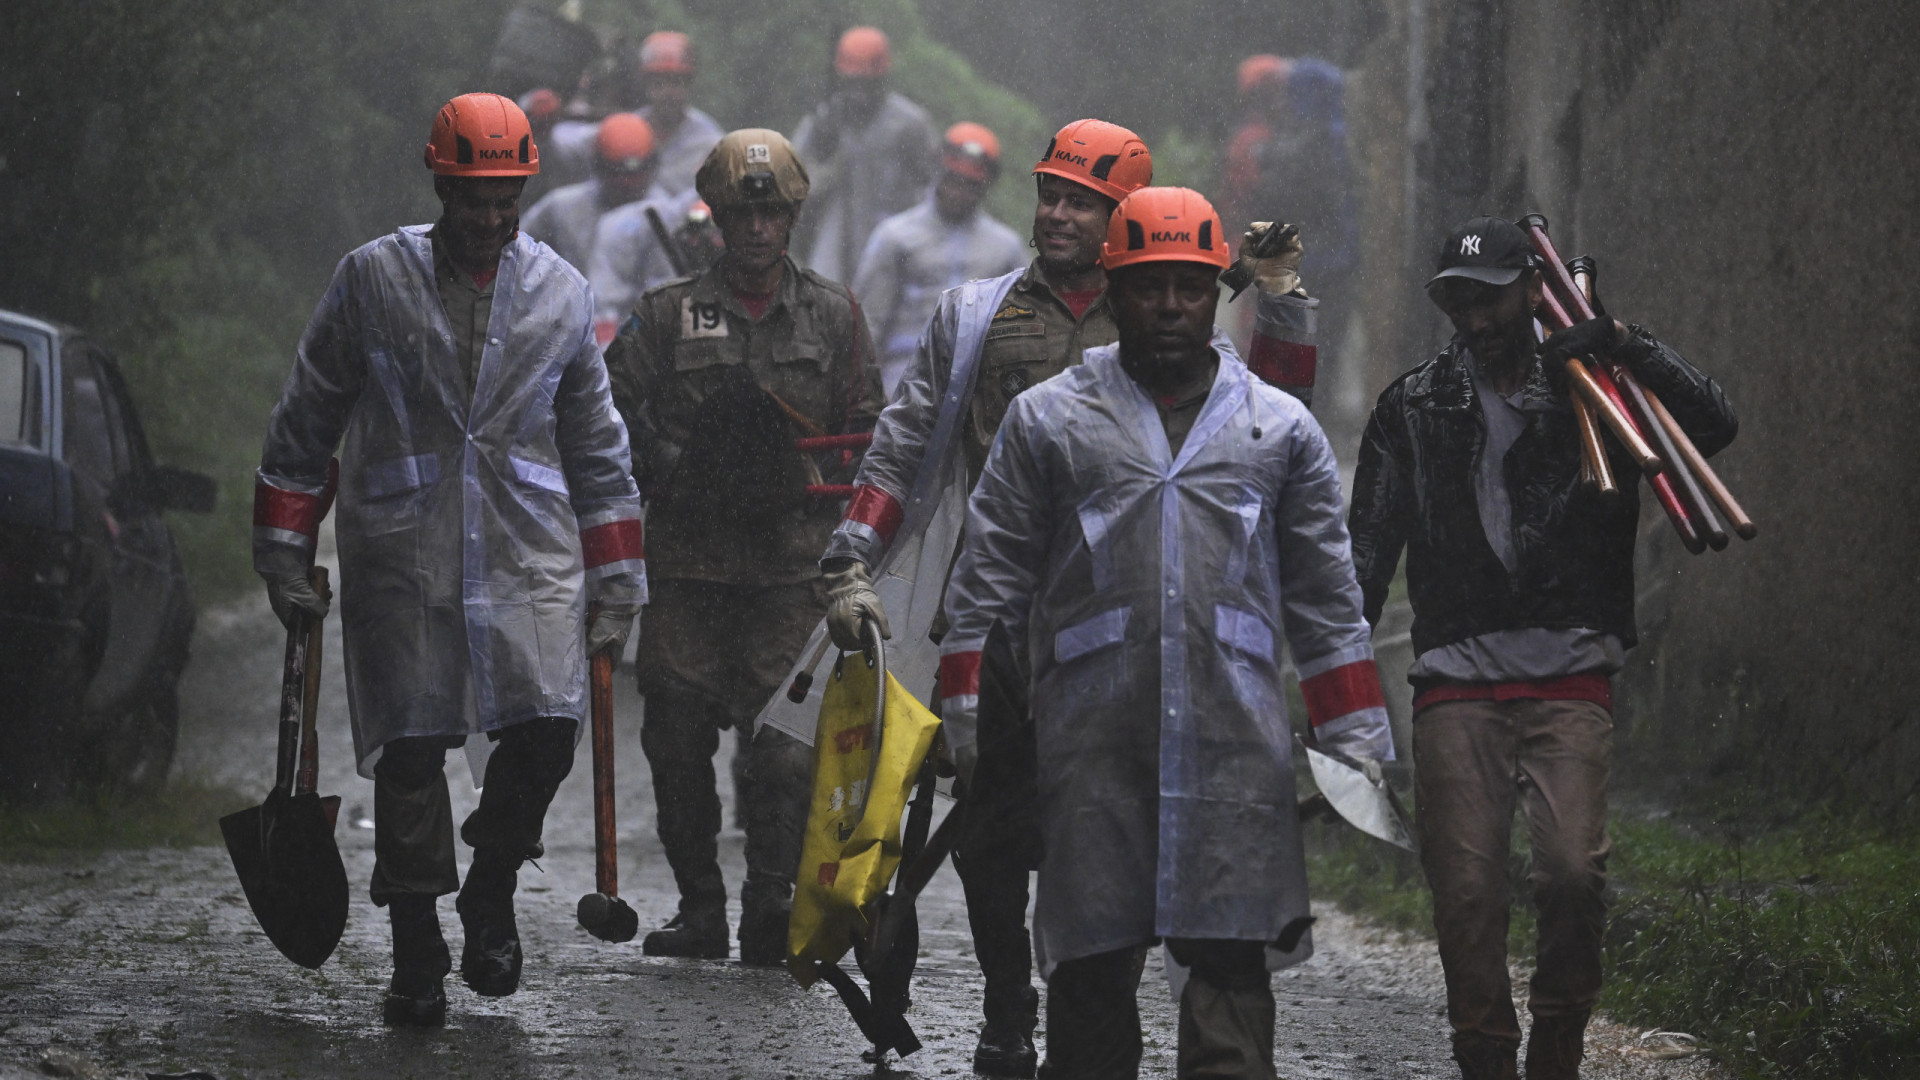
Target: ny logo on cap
[[1470, 245]]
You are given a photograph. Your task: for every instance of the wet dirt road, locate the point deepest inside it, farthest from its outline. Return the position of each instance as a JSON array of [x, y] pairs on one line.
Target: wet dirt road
[[149, 960]]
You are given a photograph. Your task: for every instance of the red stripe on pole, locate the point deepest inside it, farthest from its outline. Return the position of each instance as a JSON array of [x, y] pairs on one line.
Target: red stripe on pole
[[877, 510], [959, 674], [1282, 363], [1345, 689], [616, 541]]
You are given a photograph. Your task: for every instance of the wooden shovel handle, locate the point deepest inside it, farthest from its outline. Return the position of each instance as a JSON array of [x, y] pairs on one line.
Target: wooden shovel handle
[[314, 631], [1593, 458], [606, 859], [1743, 525]]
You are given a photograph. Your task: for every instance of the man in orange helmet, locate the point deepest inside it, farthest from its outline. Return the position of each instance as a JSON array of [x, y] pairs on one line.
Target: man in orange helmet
[[1146, 529], [943, 241], [624, 166], [991, 340], [682, 133], [874, 153], [484, 500]]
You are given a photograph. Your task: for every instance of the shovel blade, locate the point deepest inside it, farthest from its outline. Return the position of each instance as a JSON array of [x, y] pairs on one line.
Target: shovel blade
[[289, 866]]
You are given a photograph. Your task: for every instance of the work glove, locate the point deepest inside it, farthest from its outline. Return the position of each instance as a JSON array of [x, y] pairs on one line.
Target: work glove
[[292, 596], [851, 601], [608, 629], [1594, 337], [1279, 272]]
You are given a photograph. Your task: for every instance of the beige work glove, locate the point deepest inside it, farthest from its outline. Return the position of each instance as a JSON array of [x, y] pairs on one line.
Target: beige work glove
[[609, 628], [291, 596], [1278, 273], [850, 601]]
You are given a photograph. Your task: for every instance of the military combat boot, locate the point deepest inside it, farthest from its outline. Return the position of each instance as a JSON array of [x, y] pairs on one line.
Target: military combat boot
[[698, 932], [490, 961], [1006, 1046], [1483, 1058], [766, 906], [416, 997]]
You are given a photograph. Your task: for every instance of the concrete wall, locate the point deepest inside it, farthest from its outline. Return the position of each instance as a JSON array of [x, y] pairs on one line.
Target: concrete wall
[[1746, 176]]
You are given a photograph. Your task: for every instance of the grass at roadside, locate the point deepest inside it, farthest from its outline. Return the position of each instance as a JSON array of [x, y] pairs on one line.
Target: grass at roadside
[[1790, 954], [184, 815]]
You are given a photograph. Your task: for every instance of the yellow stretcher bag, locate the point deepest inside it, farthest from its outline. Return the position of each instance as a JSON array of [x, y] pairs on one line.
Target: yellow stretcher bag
[[852, 845]]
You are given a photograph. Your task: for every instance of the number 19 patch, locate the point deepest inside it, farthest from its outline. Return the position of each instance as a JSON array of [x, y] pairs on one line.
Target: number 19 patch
[[701, 320]]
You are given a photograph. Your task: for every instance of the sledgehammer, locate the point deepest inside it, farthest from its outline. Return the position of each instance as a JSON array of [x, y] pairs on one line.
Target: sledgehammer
[[602, 913]]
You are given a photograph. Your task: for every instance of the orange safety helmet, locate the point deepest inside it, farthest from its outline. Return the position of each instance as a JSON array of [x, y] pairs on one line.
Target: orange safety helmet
[[863, 53], [482, 135], [624, 143], [1263, 69], [1105, 157], [667, 51], [1164, 224], [541, 105], [972, 151]]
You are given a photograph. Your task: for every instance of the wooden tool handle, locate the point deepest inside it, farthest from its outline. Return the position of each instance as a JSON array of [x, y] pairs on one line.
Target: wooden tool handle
[[1613, 413], [1743, 525], [1593, 456], [1699, 510], [314, 631], [606, 859]]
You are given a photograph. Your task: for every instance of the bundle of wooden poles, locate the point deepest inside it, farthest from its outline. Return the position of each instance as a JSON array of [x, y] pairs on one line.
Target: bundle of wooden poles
[[1606, 394]]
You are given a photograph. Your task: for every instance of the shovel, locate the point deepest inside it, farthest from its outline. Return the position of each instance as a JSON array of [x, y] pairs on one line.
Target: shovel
[[283, 849], [602, 913]]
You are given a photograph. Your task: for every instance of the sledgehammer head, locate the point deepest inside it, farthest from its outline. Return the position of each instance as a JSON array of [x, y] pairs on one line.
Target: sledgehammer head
[[607, 917]]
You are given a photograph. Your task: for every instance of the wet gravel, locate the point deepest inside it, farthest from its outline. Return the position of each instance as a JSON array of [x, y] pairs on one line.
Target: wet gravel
[[149, 960]]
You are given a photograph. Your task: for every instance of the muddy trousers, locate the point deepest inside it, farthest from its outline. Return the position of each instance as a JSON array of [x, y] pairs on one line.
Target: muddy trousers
[[679, 737], [1226, 1014], [413, 819], [1473, 761]]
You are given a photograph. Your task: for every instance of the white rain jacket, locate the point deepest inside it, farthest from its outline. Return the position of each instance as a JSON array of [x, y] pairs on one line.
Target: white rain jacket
[[680, 156], [911, 259], [627, 256], [471, 526], [871, 173], [1149, 593], [568, 219]]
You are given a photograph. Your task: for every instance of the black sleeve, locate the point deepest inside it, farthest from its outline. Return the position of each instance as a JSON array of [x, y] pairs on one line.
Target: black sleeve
[[1694, 399], [1382, 512]]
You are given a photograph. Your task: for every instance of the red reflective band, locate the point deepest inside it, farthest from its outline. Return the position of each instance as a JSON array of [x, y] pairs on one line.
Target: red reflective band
[[877, 510], [292, 511], [1595, 688], [1346, 689], [1282, 363], [616, 541], [959, 674]]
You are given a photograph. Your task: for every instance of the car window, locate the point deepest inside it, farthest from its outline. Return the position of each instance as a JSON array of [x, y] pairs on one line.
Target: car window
[[119, 434], [88, 442], [19, 395]]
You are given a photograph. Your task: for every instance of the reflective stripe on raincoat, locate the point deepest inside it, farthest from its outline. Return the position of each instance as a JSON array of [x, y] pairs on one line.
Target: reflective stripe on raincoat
[[1150, 593], [471, 526]]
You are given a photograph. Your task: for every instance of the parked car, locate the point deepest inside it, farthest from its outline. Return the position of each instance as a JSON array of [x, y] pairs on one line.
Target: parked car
[[95, 614]]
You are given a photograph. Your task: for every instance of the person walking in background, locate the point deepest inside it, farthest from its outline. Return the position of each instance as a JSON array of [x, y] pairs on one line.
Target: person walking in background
[[683, 135], [945, 240], [1521, 580], [1148, 528], [624, 166], [484, 500], [873, 153], [717, 375]]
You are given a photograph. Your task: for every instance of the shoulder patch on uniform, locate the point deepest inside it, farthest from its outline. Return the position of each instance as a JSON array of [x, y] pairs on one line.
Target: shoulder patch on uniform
[[1013, 311]]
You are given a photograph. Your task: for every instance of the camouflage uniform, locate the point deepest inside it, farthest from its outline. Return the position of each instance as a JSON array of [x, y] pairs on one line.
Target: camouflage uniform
[[715, 398]]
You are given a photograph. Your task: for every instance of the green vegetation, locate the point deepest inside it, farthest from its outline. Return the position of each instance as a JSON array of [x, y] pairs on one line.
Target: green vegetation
[[1792, 954], [183, 815]]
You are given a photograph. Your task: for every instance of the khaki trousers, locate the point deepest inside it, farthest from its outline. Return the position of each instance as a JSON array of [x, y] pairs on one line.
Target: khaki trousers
[[1473, 760]]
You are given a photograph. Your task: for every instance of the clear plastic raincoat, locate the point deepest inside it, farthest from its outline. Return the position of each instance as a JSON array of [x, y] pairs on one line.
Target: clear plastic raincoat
[[472, 526], [1150, 593]]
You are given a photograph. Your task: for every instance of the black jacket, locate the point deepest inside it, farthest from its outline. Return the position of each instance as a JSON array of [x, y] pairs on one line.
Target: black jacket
[[1414, 488]]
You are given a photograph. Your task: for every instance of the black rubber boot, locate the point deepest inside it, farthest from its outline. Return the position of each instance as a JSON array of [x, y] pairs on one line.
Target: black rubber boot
[[1484, 1058], [698, 933], [417, 997], [1006, 1041], [766, 906], [490, 961]]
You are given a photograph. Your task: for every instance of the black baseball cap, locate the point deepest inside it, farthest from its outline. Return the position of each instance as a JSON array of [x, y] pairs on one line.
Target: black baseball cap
[[1488, 249]]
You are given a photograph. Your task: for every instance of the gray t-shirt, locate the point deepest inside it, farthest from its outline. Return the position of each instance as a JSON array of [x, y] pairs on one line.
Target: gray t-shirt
[[1529, 654]]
